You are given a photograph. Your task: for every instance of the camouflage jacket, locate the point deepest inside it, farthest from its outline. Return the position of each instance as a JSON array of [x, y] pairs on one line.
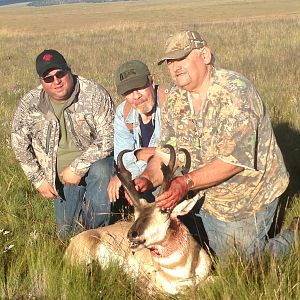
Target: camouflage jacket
[[234, 126], [35, 131]]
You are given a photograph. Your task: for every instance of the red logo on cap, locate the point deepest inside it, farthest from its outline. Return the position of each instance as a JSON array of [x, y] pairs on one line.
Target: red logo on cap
[[47, 57]]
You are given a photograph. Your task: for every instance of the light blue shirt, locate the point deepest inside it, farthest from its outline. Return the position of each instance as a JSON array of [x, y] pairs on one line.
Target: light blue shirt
[[126, 139]]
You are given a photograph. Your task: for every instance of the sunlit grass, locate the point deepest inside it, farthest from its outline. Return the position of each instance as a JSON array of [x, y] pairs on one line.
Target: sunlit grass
[[260, 39]]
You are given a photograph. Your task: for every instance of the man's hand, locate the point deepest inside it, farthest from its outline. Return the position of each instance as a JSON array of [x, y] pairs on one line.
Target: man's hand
[[46, 190], [169, 199], [69, 177], [142, 184], [114, 188]]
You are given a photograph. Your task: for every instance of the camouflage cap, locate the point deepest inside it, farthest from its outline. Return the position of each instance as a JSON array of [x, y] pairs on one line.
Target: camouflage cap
[[181, 44], [131, 75]]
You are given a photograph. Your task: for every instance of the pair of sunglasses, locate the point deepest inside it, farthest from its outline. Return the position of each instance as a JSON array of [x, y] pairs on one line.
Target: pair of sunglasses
[[59, 74]]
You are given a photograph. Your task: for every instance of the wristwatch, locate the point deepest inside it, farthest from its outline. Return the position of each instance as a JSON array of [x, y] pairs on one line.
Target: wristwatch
[[189, 181]]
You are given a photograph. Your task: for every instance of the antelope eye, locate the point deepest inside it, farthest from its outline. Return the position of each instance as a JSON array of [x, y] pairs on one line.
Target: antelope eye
[[165, 210]]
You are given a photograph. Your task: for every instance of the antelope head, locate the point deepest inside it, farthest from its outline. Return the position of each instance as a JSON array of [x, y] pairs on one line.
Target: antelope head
[[152, 226]]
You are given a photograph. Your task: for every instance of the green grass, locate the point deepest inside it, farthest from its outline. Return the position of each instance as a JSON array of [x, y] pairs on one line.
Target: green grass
[[260, 39]]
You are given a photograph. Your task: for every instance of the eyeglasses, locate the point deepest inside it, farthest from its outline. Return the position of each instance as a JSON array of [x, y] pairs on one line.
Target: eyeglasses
[[58, 74]]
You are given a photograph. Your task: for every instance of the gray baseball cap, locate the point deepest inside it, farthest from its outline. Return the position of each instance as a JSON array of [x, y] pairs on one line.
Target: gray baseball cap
[[131, 75]]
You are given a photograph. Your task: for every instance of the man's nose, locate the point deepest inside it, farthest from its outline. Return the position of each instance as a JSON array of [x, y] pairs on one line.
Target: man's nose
[[175, 66], [136, 94], [56, 80]]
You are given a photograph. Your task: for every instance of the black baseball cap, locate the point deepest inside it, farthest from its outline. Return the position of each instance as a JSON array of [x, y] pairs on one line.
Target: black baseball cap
[[48, 60], [131, 75]]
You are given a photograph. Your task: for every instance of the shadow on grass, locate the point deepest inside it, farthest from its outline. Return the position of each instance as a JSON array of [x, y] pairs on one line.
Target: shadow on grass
[[288, 140]]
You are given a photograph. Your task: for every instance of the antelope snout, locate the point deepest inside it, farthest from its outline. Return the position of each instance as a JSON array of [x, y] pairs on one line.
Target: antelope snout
[[132, 234], [136, 241]]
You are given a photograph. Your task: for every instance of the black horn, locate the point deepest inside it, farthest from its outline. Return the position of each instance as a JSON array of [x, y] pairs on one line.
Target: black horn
[[168, 170], [126, 179], [188, 161]]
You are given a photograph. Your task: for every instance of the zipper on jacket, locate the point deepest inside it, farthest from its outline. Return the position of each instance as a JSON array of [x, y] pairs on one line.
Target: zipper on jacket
[[49, 131], [73, 131], [54, 156]]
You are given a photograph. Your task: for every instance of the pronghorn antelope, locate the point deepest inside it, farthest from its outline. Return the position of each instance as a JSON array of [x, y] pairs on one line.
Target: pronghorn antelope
[[160, 249]]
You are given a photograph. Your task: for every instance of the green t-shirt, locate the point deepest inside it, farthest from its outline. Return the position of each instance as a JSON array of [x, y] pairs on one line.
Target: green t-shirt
[[67, 150]]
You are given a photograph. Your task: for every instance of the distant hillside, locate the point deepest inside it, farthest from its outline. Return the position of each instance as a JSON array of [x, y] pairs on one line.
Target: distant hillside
[[6, 2], [52, 2]]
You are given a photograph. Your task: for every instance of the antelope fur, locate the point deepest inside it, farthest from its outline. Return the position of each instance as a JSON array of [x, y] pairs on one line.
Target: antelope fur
[[156, 247]]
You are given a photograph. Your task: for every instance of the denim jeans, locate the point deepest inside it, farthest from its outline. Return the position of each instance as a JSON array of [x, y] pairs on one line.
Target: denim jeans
[[86, 205], [247, 237]]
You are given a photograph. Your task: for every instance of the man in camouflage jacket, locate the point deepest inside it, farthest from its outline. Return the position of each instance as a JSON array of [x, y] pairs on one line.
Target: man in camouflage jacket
[[62, 135], [237, 166]]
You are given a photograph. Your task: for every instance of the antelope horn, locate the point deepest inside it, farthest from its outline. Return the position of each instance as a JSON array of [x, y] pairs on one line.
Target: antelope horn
[[168, 170], [188, 161], [126, 179]]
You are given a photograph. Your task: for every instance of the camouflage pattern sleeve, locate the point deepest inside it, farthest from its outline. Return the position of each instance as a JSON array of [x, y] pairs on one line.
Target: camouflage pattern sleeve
[[21, 140], [102, 145]]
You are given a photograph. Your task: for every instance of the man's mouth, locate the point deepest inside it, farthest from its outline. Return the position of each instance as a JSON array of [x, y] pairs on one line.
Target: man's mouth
[[140, 102], [179, 73]]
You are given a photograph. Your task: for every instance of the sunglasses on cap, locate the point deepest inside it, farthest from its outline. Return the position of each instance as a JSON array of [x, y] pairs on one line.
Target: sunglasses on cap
[[59, 74]]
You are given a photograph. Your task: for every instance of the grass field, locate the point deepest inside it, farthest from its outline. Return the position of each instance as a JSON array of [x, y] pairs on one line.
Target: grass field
[[260, 39]]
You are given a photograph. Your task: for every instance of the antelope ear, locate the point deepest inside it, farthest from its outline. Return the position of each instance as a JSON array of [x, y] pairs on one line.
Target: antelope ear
[[137, 209], [136, 213], [184, 207]]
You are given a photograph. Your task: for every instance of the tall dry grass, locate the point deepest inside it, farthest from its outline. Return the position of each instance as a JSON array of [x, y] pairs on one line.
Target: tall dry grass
[[260, 39]]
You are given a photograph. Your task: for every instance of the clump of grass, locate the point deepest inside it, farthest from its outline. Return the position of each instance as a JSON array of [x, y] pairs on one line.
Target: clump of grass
[[264, 49]]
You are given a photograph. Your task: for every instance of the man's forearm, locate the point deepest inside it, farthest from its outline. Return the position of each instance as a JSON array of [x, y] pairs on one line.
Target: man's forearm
[[145, 153], [207, 176], [213, 174], [153, 171]]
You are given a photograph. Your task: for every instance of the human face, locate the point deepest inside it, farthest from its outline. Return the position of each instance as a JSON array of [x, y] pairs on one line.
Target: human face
[[141, 99], [59, 89], [189, 72]]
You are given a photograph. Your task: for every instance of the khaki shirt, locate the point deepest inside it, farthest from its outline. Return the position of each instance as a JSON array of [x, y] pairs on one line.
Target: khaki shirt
[[234, 126]]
